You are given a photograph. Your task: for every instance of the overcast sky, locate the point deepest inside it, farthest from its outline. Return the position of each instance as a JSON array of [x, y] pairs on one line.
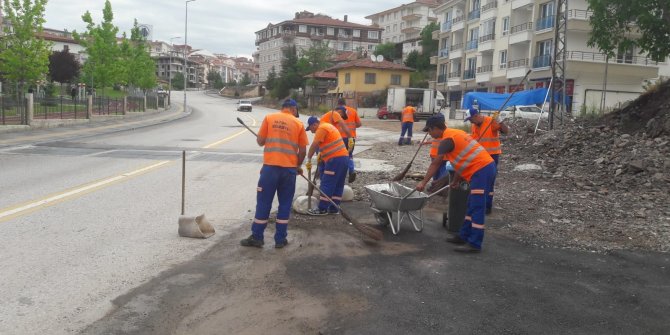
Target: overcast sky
[[220, 26]]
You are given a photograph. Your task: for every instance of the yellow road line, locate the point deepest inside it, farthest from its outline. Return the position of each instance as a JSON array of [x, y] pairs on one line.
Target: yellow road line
[[219, 142], [50, 200]]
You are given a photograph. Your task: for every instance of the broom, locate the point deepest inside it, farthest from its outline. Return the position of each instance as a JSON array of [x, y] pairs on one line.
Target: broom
[[366, 230], [402, 174]]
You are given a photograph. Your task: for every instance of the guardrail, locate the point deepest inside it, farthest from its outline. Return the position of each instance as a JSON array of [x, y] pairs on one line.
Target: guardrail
[[456, 46], [521, 27], [485, 69], [487, 38], [471, 45], [59, 108], [602, 58], [581, 14], [490, 5], [517, 63], [469, 74], [545, 23], [541, 61], [475, 14]]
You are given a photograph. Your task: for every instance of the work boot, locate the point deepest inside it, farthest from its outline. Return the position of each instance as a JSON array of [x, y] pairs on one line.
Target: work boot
[[317, 212], [252, 242], [467, 248], [401, 140], [281, 244], [352, 177], [455, 239], [408, 141], [488, 211]]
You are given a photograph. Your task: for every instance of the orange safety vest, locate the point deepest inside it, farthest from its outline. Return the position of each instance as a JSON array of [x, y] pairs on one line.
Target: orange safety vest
[[434, 146], [332, 145], [408, 114], [489, 140], [334, 118], [283, 134], [468, 156], [352, 118]]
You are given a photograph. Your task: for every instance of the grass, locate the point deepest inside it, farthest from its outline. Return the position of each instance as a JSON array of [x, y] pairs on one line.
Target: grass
[[109, 92]]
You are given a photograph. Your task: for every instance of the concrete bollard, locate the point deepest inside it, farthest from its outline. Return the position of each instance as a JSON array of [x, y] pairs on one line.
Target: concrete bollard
[[30, 108], [89, 106], [124, 110], [144, 109]]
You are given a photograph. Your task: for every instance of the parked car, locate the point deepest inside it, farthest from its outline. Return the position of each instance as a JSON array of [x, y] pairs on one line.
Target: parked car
[[244, 105], [383, 114], [161, 91], [526, 112]]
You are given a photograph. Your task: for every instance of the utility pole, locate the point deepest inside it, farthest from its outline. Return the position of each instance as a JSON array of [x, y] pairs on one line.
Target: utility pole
[[558, 65]]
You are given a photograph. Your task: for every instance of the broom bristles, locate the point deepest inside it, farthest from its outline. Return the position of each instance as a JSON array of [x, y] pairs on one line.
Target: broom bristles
[[365, 229]]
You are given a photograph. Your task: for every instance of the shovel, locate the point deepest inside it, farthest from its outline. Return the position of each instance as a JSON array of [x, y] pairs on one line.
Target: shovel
[[189, 226]]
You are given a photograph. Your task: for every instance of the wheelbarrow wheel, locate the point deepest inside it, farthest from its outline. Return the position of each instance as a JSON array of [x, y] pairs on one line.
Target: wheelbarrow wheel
[[382, 219]]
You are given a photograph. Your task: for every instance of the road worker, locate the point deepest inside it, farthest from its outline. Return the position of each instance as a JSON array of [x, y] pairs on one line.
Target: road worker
[[407, 123], [471, 163], [486, 130], [335, 157], [337, 118], [352, 121], [285, 144]]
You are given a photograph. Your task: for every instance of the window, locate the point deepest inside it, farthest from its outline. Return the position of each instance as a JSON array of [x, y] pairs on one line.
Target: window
[[370, 78], [387, 29], [625, 56], [357, 33], [347, 78], [475, 5], [505, 25], [381, 19], [395, 15], [503, 59], [302, 28], [395, 79], [330, 31], [489, 27], [546, 10], [395, 28], [373, 35]]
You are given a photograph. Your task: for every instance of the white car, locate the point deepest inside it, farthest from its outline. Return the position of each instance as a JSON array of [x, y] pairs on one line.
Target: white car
[[244, 105], [526, 112]]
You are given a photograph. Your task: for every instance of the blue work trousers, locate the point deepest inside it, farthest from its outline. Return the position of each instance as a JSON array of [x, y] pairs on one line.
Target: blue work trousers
[[472, 230], [406, 128], [489, 198], [351, 153], [279, 180], [441, 172], [332, 182]]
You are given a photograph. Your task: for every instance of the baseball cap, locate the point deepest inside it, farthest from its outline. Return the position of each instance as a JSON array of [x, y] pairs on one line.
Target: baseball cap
[[312, 120], [341, 101], [433, 121], [470, 113], [289, 103]]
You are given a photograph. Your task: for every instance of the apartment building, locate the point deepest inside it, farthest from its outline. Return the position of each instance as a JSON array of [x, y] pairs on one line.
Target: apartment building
[[403, 24], [305, 29], [489, 45]]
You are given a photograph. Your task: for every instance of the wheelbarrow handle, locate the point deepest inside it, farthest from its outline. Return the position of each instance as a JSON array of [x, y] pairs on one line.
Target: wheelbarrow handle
[[438, 191]]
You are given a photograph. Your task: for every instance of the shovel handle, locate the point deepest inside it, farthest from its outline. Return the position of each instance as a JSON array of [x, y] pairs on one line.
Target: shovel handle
[[245, 126], [183, 179]]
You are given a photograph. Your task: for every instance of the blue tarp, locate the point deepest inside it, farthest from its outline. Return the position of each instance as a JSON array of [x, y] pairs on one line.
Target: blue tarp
[[493, 101]]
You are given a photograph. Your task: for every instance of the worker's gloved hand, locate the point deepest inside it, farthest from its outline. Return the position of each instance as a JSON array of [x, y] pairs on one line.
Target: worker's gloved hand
[[299, 170], [318, 159], [498, 117], [351, 143], [421, 186], [308, 165]]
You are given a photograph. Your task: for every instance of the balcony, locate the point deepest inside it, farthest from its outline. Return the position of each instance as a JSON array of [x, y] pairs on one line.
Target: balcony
[[410, 30], [435, 35], [489, 11], [443, 53], [456, 51], [411, 17], [454, 79], [516, 4], [474, 15], [517, 68], [542, 61], [458, 23], [469, 74], [486, 42], [446, 26], [595, 57], [471, 45], [433, 60], [484, 73], [578, 19], [522, 33], [287, 34], [442, 78], [316, 36], [545, 23]]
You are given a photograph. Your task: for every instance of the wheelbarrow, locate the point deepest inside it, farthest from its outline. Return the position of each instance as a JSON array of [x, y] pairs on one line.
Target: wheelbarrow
[[404, 201]]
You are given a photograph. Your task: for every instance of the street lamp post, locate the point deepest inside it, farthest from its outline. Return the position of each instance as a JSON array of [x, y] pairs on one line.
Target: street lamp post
[[170, 70], [185, 44]]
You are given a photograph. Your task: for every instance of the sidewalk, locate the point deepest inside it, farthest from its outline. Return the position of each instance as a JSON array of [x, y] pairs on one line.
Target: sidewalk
[[18, 135]]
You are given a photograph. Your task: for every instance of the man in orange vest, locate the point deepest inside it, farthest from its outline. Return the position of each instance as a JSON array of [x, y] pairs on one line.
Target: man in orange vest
[[334, 154], [471, 163], [407, 120], [285, 144], [338, 118], [486, 130], [352, 121]]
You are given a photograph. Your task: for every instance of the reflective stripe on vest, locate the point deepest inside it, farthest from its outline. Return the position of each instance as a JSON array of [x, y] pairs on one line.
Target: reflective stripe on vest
[[332, 145], [489, 140], [281, 146], [468, 156]]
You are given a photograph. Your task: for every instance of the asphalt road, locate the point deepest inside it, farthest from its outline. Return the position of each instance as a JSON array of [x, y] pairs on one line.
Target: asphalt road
[[89, 213]]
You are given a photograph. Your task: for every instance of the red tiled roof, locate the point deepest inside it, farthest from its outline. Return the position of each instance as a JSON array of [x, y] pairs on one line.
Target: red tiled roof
[[322, 75], [368, 63], [345, 56], [327, 21]]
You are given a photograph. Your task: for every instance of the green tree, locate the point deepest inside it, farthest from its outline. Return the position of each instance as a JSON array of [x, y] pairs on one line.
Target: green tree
[[428, 44], [290, 75], [388, 50], [214, 80], [317, 57], [615, 24], [178, 81], [102, 68], [63, 67], [25, 57], [138, 69], [246, 79], [271, 80]]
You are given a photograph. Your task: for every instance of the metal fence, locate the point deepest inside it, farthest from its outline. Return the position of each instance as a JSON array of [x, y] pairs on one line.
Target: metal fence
[[59, 108], [136, 104], [107, 106], [152, 102], [13, 110]]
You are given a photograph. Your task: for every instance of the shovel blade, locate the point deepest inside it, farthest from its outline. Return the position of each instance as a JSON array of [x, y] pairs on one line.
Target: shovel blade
[[195, 227]]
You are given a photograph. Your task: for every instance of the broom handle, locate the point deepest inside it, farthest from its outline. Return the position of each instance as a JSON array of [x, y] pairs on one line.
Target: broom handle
[[183, 179]]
